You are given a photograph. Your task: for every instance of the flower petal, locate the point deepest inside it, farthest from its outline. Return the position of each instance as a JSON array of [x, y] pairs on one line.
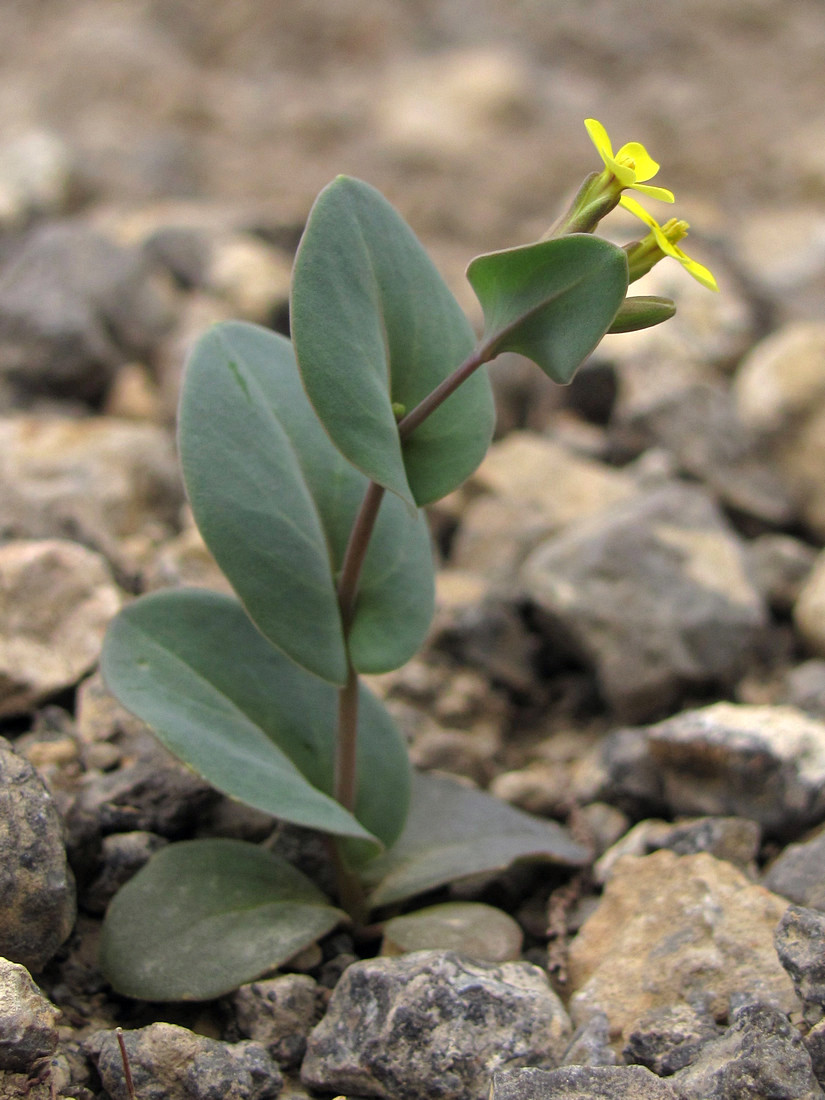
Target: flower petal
[[652, 192], [644, 164], [699, 273], [598, 135], [636, 208]]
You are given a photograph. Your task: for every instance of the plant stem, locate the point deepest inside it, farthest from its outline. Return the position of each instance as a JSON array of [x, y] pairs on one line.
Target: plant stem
[[345, 783], [356, 551], [346, 747], [481, 354]]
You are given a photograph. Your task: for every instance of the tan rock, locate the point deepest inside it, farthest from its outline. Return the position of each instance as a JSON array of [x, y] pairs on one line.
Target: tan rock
[[56, 600], [809, 609], [673, 929], [527, 488], [780, 395]]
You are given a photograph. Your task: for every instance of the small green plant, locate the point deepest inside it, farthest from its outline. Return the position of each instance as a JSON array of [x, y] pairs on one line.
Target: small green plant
[[307, 466]]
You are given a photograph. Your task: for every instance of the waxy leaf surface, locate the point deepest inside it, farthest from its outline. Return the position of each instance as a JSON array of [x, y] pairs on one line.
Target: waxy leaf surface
[[552, 301], [275, 502], [205, 916], [191, 664], [375, 325], [453, 831]]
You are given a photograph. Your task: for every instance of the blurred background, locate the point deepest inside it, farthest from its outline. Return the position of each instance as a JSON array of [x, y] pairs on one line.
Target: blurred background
[[466, 113]]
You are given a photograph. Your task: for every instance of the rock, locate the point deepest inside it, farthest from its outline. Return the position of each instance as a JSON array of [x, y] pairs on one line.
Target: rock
[[433, 1024], [798, 872], [95, 480], [652, 594], [279, 1013], [800, 944], [35, 881], [782, 249], [171, 1063], [36, 173], [815, 1046], [805, 688], [809, 610], [251, 276], [28, 1022], [630, 778], [780, 395], [673, 930], [155, 794], [73, 306], [734, 839], [581, 1083], [766, 763], [590, 1045], [668, 1039], [527, 488], [121, 856], [699, 425], [761, 1054], [779, 566], [474, 929], [56, 600]]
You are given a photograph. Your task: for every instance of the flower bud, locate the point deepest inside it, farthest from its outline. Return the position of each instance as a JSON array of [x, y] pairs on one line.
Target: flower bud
[[643, 311]]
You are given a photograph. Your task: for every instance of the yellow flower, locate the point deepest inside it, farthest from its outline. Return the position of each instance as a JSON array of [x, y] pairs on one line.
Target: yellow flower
[[661, 241], [631, 165]]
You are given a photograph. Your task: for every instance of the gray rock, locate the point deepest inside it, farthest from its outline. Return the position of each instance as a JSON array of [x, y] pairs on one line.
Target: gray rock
[[630, 777], [36, 885], [761, 762], [800, 944], [121, 856], [670, 1038], [653, 594], [805, 688], [761, 1054], [28, 1021], [73, 306], [433, 1024], [699, 425], [278, 1013], [95, 480], [779, 566], [56, 600], [156, 794], [734, 839], [581, 1083], [590, 1045], [172, 1063], [798, 872]]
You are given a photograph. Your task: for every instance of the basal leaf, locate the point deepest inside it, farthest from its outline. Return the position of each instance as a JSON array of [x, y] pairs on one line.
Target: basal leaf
[[191, 664], [275, 501], [205, 916], [552, 301], [452, 832], [374, 325]]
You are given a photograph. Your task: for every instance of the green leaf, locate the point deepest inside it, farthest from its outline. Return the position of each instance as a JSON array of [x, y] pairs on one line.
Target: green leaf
[[374, 325], [190, 663], [205, 916], [453, 831], [552, 301], [275, 502]]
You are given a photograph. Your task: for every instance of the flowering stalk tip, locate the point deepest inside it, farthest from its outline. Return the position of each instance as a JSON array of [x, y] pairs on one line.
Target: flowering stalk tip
[[661, 241], [628, 169]]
